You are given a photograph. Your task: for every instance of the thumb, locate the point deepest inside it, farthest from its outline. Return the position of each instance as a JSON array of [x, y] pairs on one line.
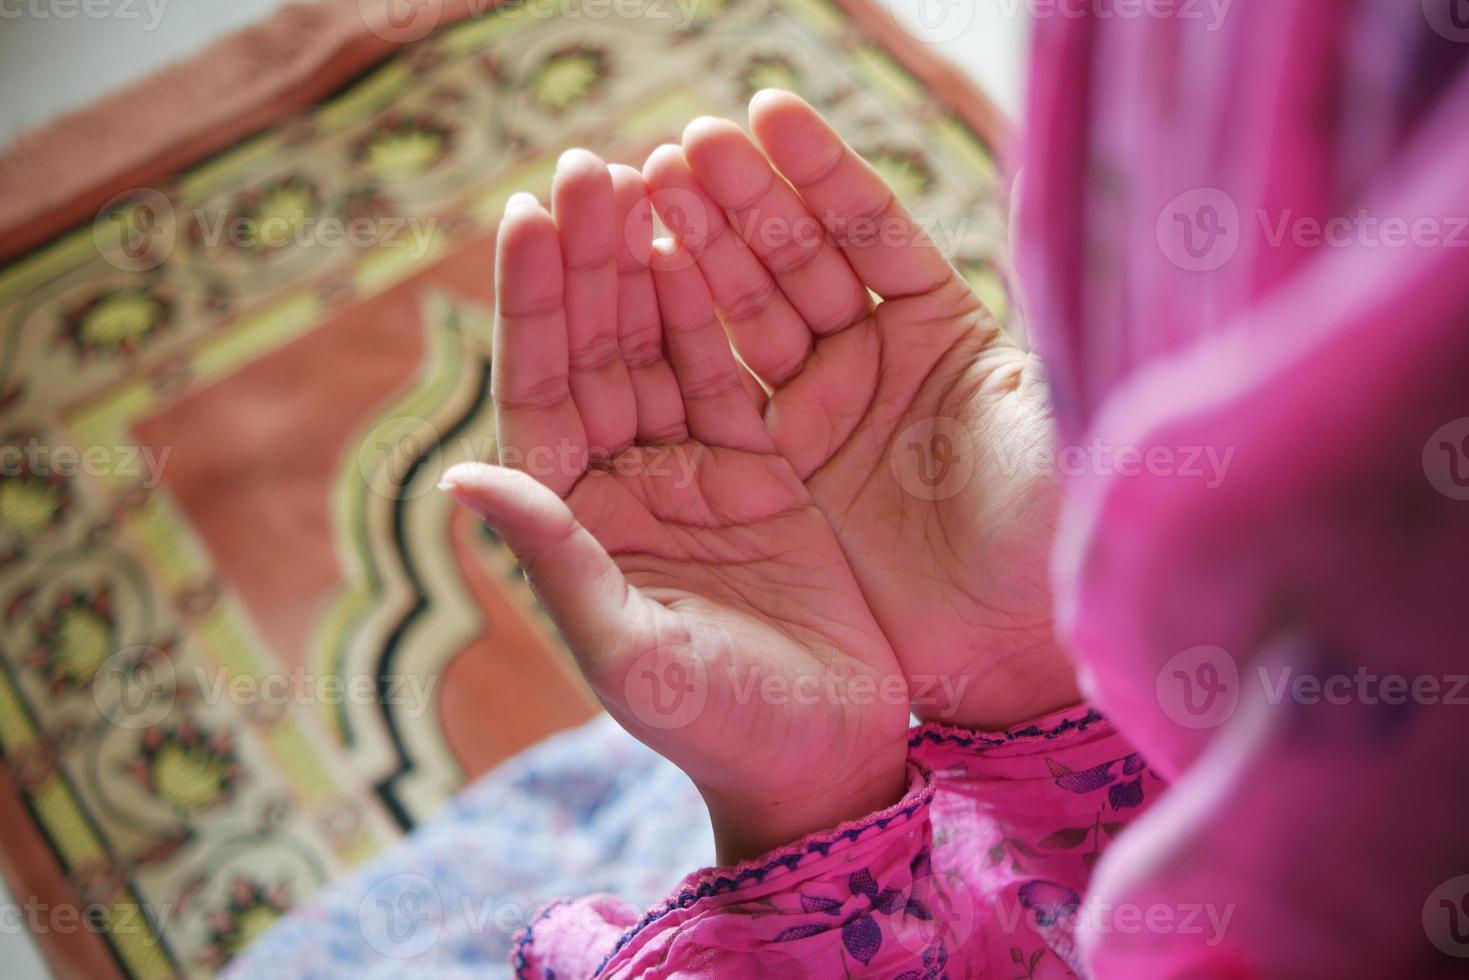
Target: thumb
[[572, 574]]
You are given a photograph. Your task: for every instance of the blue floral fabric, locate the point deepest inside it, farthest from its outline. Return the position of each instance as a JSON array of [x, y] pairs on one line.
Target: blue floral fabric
[[589, 810]]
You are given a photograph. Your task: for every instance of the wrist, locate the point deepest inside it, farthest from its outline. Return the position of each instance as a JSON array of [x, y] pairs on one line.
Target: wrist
[[748, 825], [1004, 694]]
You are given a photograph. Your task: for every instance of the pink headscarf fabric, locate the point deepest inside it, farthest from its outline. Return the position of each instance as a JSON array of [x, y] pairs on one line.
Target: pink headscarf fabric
[[1244, 242]]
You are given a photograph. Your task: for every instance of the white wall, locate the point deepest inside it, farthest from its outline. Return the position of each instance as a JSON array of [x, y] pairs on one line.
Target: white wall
[[53, 57], [990, 39]]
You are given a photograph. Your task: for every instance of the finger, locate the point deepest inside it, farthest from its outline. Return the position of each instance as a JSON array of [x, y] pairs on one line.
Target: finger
[[572, 574], [716, 404], [660, 416], [767, 329], [770, 216], [537, 425], [892, 255], [582, 203]]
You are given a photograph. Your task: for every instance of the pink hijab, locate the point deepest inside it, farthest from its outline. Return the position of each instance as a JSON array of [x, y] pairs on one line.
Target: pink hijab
[[1244, 240]]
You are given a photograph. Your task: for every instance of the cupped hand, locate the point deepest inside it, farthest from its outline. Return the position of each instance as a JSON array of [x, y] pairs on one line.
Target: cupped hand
[[919, 428], [702, 592]]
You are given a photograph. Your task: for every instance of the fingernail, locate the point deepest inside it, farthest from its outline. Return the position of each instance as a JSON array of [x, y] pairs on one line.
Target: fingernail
[[703, 122], [656, 158], [576, 155], [455, 476], [521, 199], [464, 499]]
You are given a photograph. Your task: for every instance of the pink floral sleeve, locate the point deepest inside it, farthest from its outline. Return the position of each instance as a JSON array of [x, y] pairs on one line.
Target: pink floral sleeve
[[978, 871]]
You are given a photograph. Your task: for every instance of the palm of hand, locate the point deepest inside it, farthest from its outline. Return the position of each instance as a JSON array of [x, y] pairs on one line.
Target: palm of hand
[[746, 633], [859, 478], [918, 427], [701, 591], [929, 477]]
